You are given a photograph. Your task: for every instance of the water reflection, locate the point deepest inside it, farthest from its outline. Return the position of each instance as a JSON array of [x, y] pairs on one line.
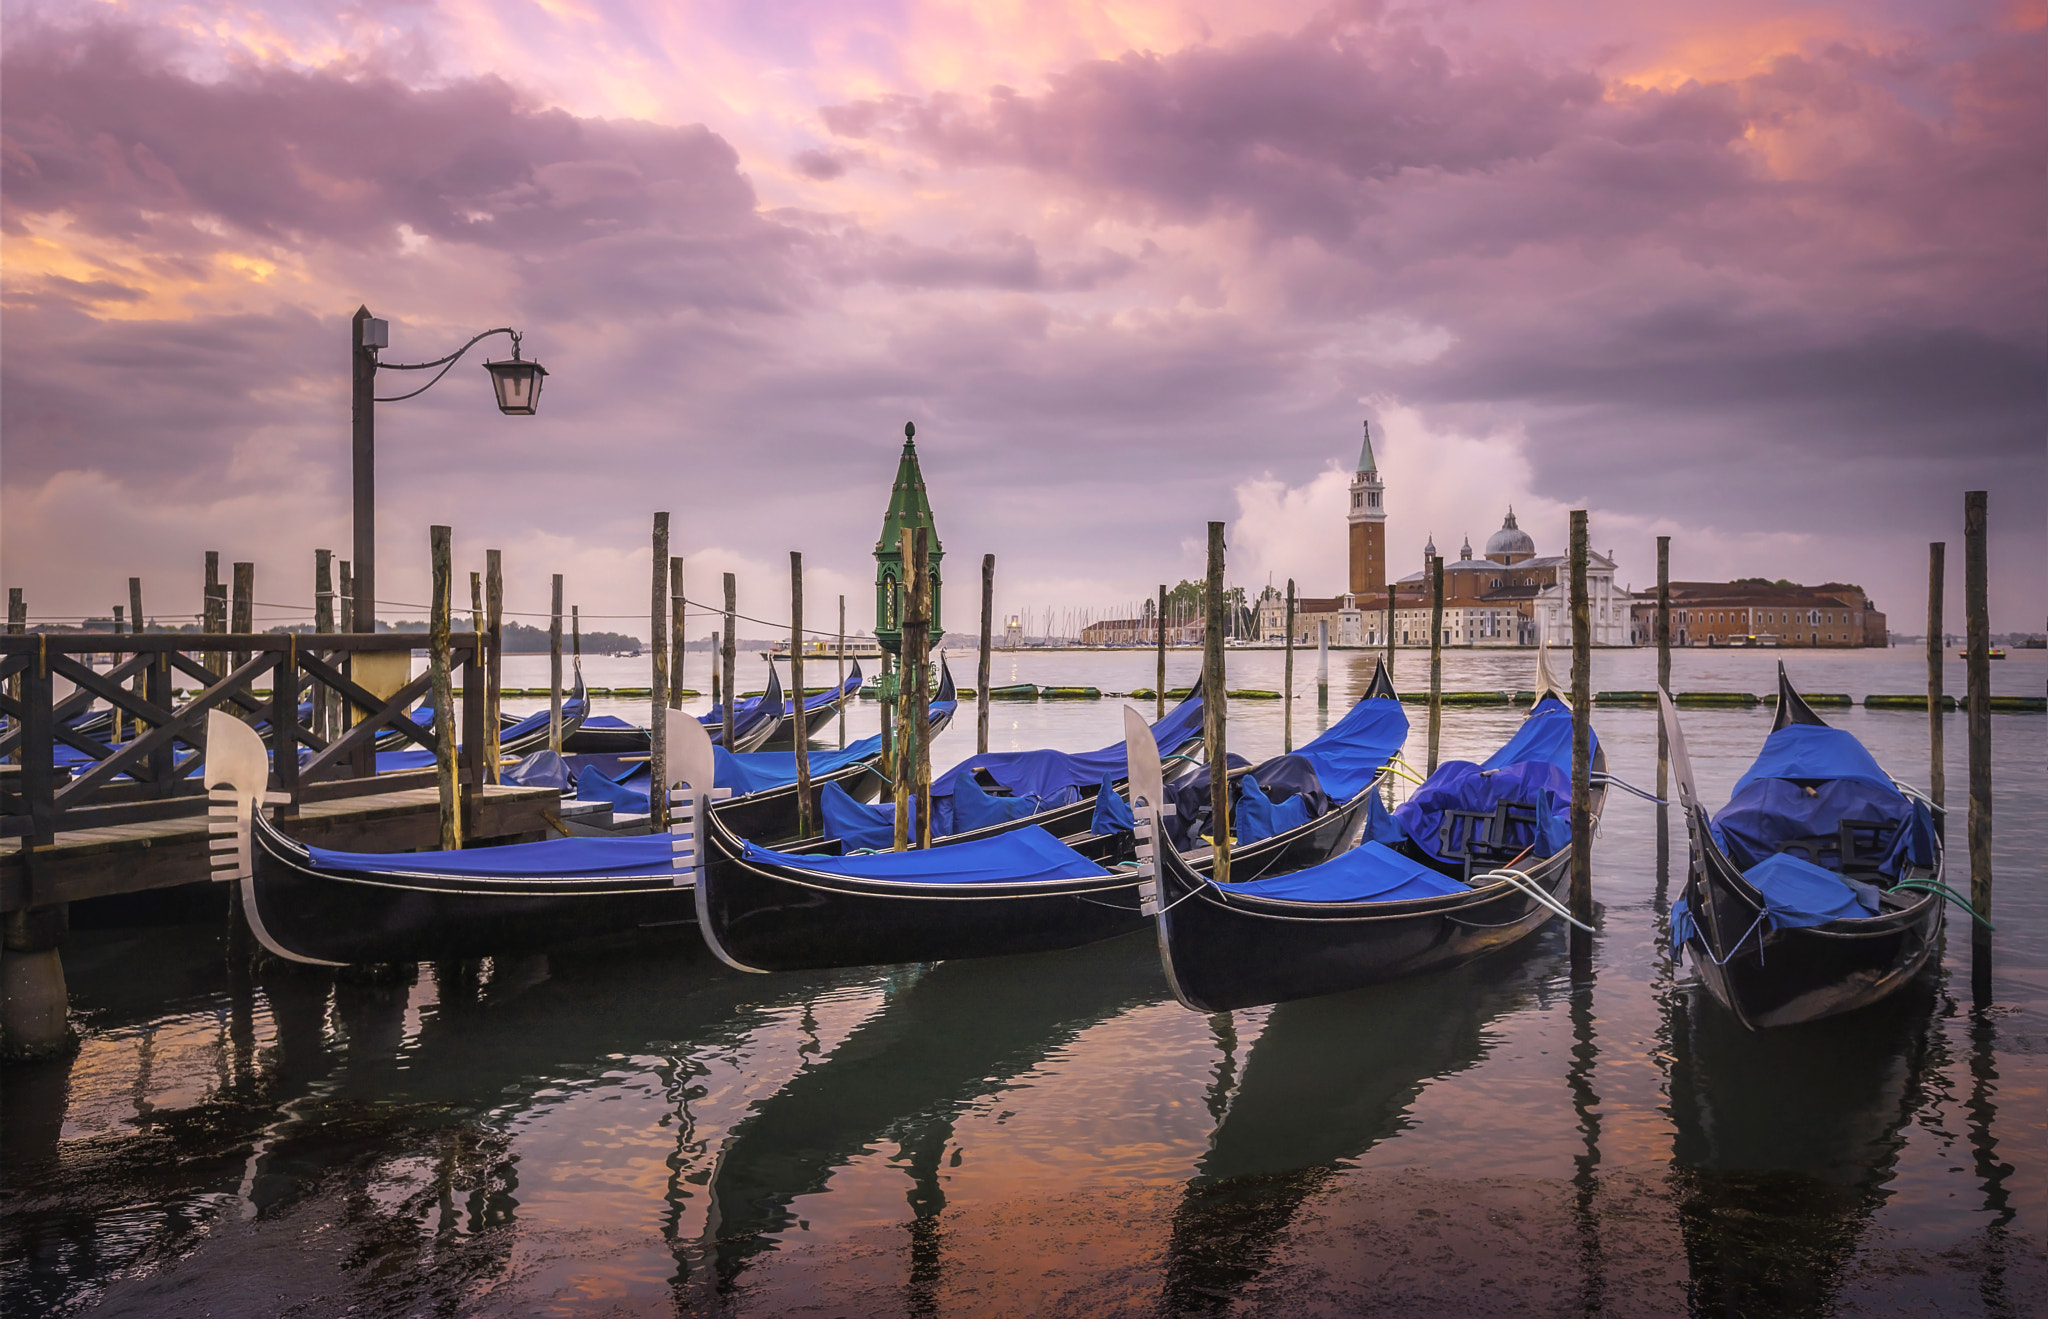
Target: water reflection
[[1328, 1079], [945, 1037], [1785, 1141]]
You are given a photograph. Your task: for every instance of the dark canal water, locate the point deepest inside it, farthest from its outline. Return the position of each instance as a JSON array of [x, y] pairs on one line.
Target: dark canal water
[[637, 1131]]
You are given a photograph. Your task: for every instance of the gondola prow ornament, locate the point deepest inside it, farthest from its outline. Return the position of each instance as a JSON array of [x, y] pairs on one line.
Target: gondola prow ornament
[[692, 768], [1146, 791]]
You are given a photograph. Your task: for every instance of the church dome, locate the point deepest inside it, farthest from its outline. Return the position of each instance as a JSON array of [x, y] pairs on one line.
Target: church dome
[[1510, 540]]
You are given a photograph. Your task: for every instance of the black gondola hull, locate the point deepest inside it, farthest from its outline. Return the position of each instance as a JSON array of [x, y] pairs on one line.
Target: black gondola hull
[[1223, 954], [1784, 977], [763, 918], [310, 915]]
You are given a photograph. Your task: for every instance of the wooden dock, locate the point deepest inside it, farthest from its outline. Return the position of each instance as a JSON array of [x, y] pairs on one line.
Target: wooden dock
[[130, 858]]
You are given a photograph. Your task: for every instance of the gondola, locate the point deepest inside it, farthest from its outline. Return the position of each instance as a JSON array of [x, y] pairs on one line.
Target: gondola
[[331, 908], [1474, 861], [1008, 887], [1818, 889], [819, 710], [518, 735], [763, 784]]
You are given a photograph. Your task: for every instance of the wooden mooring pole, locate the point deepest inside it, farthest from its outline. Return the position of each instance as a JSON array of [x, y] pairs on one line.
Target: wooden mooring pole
[[657, 720], [1663, 659], [212, 619], [842, 673], [245, 607], [17, 624], [1159, 687], [1977, 617], [494, 668], [726, 654], [1287, 679], [1323, 666], [439, 541], [555, 665], [1937, 772], [1215, 707], [1436, 655], [345, 589], [988, 604], [799, 739], [678, 610], [1389, 638], [1582, 750]]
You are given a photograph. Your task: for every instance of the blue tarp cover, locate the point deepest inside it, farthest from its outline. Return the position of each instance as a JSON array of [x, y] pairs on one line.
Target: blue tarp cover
[[1812, 752], [1799, 893], [1546, 735], [1461, 785], [1020, 856], [1055, 778], [587, 858], [746, 772], [1352, 751], [537, 721], [1367, 873], [1805, 783], [815, 703]]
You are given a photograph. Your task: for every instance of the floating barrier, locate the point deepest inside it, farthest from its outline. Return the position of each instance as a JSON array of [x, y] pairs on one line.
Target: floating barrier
[[1016, 691], [1061, 693], [1148, 694], [1625, 698], [1912, 701], [1823, 700], [1460, 698], [2014, 704], [1252, 694], [1720, 700]]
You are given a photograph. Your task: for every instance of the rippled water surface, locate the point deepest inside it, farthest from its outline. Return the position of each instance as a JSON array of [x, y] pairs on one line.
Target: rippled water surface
[[636, 1130]]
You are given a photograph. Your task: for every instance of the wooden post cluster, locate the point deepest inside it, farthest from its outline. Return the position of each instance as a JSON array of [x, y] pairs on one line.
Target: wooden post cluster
[[1937, 773], [1977, 617], [1436, 655], [799, 733], [1214, 707], [657, 724], [439, 541], [988, 598], [1582, 745], [1159, 687], [1287, 679], [555, 665]]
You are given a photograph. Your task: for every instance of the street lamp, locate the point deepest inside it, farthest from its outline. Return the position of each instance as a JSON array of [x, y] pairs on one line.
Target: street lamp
[[516, 384]]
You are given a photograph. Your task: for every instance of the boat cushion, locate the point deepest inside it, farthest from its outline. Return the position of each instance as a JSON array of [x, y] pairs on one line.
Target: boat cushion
[[857, 824], [1255, 815], [1800, 893], [1368, 873], [1019, 856], [583, 858]]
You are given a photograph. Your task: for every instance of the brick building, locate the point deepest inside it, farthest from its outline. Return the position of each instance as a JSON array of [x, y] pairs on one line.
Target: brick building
[[1759, 613]]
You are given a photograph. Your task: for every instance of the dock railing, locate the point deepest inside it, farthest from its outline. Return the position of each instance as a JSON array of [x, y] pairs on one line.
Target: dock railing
[[154, 775]]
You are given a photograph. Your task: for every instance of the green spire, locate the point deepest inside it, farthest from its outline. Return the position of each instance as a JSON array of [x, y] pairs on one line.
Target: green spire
[[909, 509], [1365, 462]]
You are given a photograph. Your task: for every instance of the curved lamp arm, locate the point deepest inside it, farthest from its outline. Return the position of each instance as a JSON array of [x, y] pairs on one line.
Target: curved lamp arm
[[446, 364]]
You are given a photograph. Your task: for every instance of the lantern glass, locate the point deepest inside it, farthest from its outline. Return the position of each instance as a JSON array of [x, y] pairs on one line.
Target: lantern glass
[[518, 386]]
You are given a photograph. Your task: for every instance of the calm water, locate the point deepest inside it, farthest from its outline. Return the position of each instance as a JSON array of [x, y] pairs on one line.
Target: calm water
[[638, 1131]]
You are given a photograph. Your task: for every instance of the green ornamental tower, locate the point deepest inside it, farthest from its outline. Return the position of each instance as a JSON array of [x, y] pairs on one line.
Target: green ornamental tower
[[908, 509]]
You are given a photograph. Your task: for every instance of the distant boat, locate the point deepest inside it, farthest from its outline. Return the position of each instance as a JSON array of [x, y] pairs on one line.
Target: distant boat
[[821, 649], [1997, 652]]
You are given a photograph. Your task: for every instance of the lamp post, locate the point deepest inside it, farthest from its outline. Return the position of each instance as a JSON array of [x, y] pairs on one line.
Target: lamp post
[[516, 384]]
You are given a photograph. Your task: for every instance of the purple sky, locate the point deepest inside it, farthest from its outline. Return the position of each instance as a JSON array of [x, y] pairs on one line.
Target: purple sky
[[1765, 277]]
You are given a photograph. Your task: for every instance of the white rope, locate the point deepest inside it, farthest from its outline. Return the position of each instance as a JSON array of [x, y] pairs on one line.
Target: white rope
[[1529, 886]]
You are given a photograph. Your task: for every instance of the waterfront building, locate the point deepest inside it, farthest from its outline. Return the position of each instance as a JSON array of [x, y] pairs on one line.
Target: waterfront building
[[1511, 596], [1756, 612]]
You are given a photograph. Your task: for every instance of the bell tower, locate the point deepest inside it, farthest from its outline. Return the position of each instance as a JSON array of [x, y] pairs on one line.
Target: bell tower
[[1368, 524]]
